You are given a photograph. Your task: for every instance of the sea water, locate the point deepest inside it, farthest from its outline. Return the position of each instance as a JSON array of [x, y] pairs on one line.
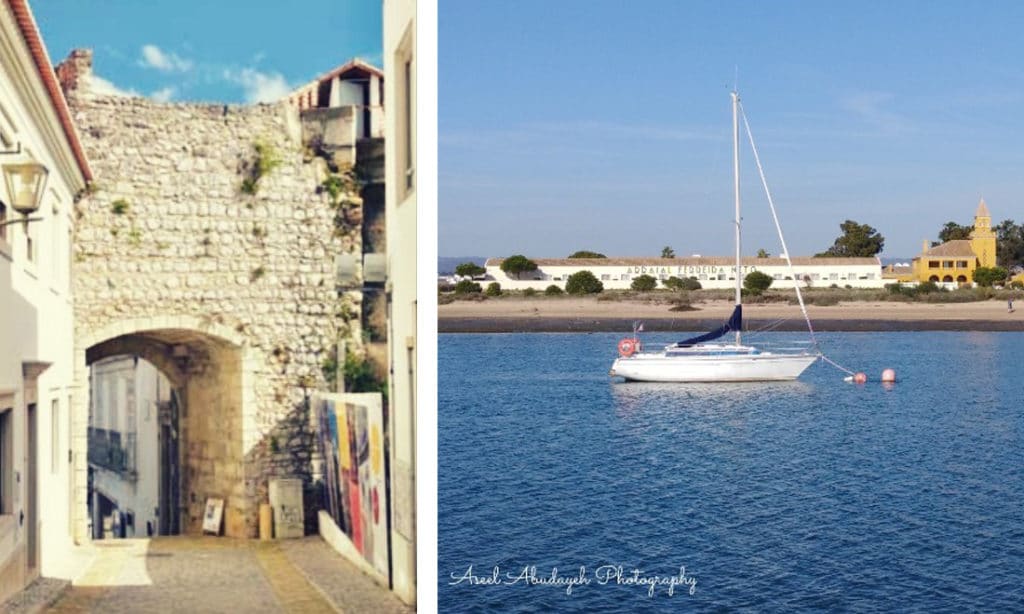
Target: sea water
[[562, 489]]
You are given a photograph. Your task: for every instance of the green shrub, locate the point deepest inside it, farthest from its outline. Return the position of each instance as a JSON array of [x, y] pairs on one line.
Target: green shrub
[[517, 265], [359, 375], [469, 269], [682, 303], [926, 287], [583, 282], [553, 290], [672, 283], [757, 282], [529, 292], [467, 286], [987, 276], [644, 283], [493, 289]]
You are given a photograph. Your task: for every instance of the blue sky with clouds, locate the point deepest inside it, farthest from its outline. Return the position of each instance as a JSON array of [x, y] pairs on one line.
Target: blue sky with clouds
[[251, 51], [606, 125]]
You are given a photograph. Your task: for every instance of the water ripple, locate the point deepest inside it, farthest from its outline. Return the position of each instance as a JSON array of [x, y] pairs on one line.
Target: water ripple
[[811, 495]]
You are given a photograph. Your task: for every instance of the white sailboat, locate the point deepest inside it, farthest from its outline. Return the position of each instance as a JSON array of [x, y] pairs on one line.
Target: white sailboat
[[696, 360]]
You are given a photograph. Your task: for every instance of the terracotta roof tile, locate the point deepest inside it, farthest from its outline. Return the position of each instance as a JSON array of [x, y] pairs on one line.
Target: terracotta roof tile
[[34, 42], [958, 248]]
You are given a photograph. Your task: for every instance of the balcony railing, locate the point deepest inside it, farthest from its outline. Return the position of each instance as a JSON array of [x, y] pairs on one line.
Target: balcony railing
[[112, 450]]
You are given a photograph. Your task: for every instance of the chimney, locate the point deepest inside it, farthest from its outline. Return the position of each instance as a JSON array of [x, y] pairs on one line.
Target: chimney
[[74, 72]]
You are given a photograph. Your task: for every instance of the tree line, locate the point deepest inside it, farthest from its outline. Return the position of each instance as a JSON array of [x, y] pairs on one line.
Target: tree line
[[855, 240]]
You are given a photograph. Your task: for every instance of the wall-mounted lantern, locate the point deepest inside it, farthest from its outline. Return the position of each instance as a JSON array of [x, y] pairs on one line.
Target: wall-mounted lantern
[[25, 181]]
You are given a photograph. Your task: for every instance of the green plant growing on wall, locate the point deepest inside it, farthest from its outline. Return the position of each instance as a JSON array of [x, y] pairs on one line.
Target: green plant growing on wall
[[329, 368], [341, 186], [333, 185], [257, 273], [90, 188], [264, 162], [359, 376], [119, 206], [134, 236], [267, 158]]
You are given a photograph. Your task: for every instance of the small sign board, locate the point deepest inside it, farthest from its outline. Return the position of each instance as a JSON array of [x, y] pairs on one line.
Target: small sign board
[[286, 501], [213, 515]]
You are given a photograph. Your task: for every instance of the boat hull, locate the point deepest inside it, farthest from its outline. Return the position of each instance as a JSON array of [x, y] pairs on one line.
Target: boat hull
[[752, 368]]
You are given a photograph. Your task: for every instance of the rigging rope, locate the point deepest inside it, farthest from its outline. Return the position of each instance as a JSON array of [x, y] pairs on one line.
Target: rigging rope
[[778, 227], [785, 249], [836, 365]]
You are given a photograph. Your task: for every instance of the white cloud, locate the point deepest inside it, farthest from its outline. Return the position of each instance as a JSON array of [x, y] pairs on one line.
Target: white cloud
[[873, 109], [100, 86], [163, 95], [153, 57], [259, 86]]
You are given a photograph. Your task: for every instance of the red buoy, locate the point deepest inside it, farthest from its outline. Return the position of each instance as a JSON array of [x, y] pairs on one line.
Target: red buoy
[[860, 378]]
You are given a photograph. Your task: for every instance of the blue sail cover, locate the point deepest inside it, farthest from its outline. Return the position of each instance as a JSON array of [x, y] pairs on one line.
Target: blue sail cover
[[735, 323]]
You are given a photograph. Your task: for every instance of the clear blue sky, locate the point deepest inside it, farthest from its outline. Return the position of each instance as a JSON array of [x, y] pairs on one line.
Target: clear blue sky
[[606, 125], [211, 50]]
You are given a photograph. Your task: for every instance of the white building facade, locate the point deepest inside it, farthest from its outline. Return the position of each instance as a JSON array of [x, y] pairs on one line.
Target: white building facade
[[129, 396], [711, 272], [400, 213], [35, 306]]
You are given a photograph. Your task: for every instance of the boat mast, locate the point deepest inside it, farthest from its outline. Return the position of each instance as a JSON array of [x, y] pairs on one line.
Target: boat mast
[[736, 187]]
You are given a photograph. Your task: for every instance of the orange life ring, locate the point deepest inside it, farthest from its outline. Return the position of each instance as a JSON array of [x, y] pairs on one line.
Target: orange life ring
[[627, 347]]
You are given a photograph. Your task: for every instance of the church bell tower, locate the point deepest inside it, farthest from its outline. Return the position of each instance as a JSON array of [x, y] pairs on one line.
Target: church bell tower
[[983, 238]]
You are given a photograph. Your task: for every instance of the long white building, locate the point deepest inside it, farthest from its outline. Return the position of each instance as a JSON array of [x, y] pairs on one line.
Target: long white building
[[712, 272], [36, 139]]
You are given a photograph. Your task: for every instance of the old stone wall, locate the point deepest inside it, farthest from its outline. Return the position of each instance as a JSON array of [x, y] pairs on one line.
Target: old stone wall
[[214, 212]]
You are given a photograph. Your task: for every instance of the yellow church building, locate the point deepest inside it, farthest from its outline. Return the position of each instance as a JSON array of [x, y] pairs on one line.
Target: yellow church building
[[955, 261]]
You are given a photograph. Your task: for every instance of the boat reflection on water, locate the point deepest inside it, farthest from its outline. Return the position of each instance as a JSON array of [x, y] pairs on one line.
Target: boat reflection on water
[[704, 398]]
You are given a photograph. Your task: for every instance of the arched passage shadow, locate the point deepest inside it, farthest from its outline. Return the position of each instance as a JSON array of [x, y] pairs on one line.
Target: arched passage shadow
[[206, 368]]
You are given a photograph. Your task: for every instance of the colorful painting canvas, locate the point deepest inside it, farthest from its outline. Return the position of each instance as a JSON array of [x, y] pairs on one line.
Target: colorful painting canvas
[[351, 435]]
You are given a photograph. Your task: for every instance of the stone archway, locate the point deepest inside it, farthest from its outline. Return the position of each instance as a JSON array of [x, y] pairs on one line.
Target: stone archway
[[934, 278], [947, 279], [961, 278], [213, 370]]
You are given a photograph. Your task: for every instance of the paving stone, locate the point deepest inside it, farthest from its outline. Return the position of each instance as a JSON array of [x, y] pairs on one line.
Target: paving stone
[[35, 597], [211, 574]]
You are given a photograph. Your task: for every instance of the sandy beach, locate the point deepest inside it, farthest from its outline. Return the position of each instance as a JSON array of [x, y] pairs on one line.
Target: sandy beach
[[568, 314]]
